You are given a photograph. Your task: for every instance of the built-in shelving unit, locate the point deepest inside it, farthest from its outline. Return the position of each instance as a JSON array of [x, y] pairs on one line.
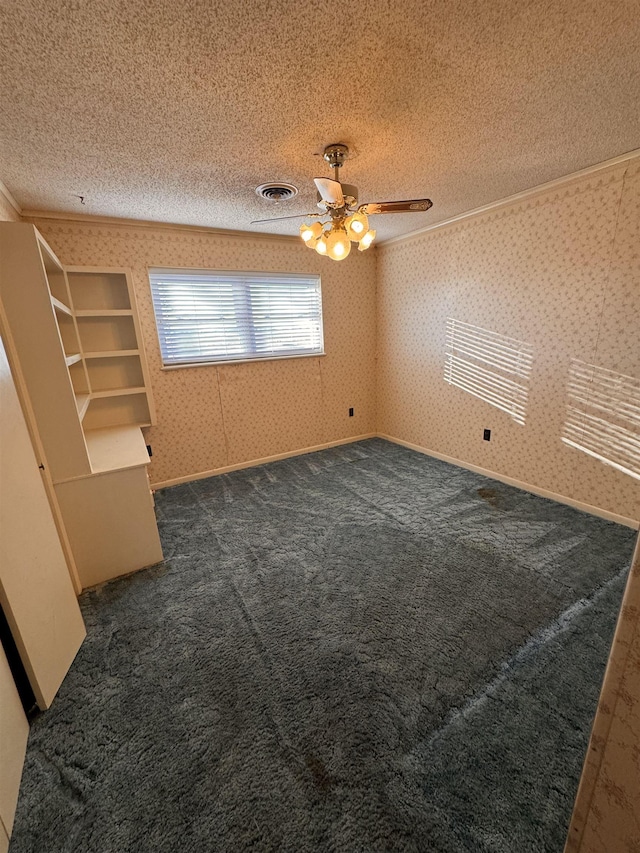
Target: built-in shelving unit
[[105, 312], [76, 335]]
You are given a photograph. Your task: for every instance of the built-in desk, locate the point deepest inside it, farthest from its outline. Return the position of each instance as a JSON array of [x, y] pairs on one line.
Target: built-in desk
[[109, 513], [115, 449]]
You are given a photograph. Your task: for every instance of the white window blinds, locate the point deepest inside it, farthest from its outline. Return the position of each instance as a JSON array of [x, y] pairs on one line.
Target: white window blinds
[[211, 316]]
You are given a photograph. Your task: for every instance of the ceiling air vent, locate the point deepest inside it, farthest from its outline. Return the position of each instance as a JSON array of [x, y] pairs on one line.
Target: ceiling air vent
[[277, 191]]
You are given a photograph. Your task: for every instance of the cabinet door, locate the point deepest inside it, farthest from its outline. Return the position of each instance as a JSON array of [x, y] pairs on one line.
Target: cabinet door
[[14, 732], [35, 587]]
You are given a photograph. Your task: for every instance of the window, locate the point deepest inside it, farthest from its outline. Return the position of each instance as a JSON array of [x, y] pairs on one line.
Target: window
[[206, 316]]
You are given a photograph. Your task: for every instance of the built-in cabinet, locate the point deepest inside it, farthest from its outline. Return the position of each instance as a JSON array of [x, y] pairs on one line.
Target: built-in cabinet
[[42, 627], [73, 336]]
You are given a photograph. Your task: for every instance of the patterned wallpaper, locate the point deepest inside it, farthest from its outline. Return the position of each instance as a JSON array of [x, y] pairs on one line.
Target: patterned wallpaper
[[559, 272], [211, 417]]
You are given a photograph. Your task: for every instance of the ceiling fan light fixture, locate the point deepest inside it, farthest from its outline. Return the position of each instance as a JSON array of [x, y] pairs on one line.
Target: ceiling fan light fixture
[[357, 226], [338, 244], [366, 240], [321, 245], [311, 233]]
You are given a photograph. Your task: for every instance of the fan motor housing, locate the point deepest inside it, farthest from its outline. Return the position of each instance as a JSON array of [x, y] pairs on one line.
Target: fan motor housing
[[347, 190]]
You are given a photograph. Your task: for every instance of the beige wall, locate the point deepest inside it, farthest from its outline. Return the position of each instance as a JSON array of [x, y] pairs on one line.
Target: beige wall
[[559, 271], [213, 417], [7, 212]]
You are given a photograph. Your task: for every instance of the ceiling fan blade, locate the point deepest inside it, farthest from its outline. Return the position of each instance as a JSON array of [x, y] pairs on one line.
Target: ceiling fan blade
[[409, 206], [330, 190], [278, 218]]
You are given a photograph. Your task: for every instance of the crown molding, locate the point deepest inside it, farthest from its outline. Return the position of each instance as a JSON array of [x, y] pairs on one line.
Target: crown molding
[[557, 183], [120, 222], [14, 204]]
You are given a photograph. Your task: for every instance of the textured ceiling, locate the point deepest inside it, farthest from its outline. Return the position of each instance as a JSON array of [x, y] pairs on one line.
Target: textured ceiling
[[176, 111]]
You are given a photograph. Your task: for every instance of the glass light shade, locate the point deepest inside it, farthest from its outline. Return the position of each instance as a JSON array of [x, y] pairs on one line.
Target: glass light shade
[[310, 233], [321, 245], [357, 226], [338, 244], [367, 240]]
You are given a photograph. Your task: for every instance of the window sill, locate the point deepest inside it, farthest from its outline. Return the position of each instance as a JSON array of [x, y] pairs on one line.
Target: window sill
[[242, 361]]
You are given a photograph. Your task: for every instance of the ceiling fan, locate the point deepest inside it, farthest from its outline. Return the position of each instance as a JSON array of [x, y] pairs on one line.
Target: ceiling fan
[[346, 221]]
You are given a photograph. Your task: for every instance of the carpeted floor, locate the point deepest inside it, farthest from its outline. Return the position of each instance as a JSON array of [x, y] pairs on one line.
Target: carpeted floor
[[358, 650]]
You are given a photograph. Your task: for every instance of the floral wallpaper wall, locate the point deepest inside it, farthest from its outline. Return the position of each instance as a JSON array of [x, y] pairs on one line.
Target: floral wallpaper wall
[[213, 417], [550, 284]]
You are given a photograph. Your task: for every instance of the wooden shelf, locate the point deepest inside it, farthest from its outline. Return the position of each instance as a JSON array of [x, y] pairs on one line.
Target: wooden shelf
[[109, 339], [115, 448], [117, 392], [72, 359], [98, 312], [112, 353], [82, 402], [60, 306]]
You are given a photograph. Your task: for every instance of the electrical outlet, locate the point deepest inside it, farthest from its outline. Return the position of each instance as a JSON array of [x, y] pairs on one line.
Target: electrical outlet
[[351, 412], [487, 435]]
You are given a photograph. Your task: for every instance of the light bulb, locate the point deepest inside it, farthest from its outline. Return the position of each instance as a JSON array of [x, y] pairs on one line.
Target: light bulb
[[310, 233], [321, 245], [367, 240], [357, 225], [338, 244]]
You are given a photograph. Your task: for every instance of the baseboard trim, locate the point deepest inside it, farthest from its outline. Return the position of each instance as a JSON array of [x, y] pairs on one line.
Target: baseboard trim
[[163, 484], [510, 481]]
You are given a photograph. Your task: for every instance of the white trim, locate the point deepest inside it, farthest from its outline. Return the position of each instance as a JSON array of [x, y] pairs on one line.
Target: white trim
[[510, 481], [163, 484], [14, 204], [517, 197], [121, 222], [287, 238], [242, 360]]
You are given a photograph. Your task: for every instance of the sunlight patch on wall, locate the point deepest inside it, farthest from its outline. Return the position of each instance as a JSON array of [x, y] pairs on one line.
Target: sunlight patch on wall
[[490, 366], [603, 416]]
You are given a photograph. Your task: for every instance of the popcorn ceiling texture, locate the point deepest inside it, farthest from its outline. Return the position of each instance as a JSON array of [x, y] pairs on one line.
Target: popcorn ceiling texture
[[177, 111], [560, 271], [212, 417]]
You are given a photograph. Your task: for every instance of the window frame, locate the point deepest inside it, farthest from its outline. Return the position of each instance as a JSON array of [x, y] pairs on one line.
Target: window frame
[[244, 358]]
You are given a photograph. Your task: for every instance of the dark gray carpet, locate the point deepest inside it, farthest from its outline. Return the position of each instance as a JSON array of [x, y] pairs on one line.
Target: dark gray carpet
[[358, 650]]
